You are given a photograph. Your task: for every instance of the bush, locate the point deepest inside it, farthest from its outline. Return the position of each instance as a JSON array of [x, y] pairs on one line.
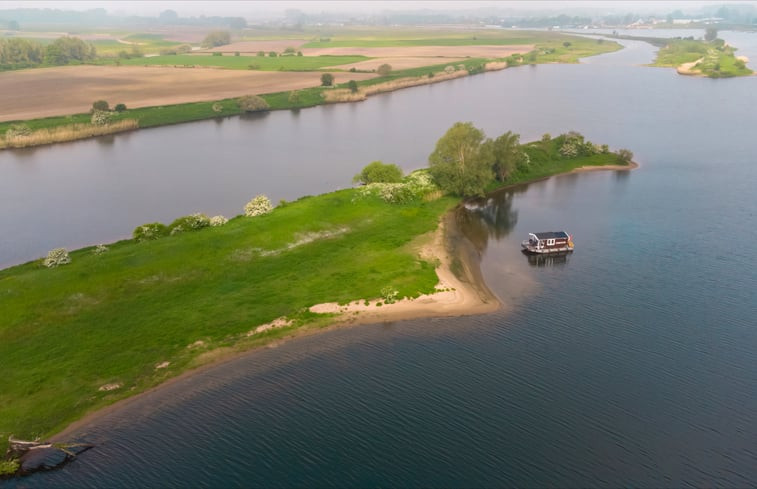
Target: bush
[[56, 257], [100, 249], [150, 231], [120, 107], [236, 53], [294, 97], [18, 130], [272, 54], [261, 53], [9, 467], [389, 294], [379, 172], [258, 206], [352, 85], [449, 69], [191, 222], [327, 79], [101, 118], [183, 49], [216, 38], [100, 105], [216, 221], [252, 103], [217, 107], [384, 69], [624, 156]]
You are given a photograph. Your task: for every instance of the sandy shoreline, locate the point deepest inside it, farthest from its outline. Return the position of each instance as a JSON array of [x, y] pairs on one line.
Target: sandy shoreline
[[457, 296]]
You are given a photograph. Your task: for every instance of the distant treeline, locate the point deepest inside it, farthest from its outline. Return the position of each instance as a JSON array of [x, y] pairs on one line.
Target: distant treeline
[[99, 17], [25, 53]]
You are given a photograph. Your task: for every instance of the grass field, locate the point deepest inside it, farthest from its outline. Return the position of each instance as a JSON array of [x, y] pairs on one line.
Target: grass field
[[112, 318], [263, 63]]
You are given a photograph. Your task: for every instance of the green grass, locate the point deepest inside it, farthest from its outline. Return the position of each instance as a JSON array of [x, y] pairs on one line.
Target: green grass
[[113, 317], [263, 63]]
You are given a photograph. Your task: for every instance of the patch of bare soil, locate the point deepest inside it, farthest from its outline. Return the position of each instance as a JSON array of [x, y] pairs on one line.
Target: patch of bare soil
[[46, 92], [424, 51], [248, 47]]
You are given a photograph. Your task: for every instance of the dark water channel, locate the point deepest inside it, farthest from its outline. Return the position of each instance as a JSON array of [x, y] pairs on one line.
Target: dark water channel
[[630, 362]]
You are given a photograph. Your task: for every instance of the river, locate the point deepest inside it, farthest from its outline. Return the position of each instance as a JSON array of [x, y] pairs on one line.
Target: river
[[630, 362]]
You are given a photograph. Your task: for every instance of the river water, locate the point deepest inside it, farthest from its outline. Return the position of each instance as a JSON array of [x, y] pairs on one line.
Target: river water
[[630, 362]]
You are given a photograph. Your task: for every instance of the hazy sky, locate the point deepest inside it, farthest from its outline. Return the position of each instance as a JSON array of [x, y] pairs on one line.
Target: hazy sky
[[246, 8]]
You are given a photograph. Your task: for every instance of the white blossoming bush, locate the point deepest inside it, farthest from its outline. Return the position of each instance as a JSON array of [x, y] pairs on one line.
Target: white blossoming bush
[[146, 232], [216, 221], [258, 206], [192, 222], [416, 185], [389, 294], [101, 118], [100, 249], [58, 256]]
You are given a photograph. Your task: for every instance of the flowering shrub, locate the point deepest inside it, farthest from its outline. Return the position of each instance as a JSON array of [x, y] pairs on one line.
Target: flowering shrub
[[58, 256], [216, 221], [100, 249], [146, 232], [258, 206], [217, 107], [569, 150], [101, 118], [416, 185], [191, 222], [389, 294]]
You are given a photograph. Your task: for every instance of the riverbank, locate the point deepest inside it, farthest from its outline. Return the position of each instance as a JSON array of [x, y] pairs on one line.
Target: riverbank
[[157, 104], [463, 293]]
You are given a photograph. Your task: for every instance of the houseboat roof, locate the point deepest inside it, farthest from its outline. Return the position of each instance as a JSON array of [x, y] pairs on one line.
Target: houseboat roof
[[551, 235]]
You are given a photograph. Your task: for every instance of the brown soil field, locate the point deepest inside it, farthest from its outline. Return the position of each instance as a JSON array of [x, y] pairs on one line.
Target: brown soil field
[[46, 92], [278, 45], [425, 51], [399, 63]]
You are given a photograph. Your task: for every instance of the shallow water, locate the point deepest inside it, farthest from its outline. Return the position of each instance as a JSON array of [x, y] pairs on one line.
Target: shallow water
[[630, 362]]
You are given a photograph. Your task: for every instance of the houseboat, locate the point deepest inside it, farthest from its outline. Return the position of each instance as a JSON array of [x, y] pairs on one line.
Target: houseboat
[[550, 242]]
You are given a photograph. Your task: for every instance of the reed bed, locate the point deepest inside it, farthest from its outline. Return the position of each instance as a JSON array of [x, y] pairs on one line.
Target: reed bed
[[70, 132], [345, 95]]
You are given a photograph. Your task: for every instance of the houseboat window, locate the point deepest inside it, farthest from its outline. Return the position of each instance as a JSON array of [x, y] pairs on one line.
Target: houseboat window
[[550, 242]]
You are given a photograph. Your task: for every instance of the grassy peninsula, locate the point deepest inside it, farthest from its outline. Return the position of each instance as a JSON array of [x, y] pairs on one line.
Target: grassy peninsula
[[121, 318]]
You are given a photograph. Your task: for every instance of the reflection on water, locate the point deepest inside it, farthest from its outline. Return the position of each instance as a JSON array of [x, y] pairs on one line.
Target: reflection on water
[[552, 259], [488, 217]]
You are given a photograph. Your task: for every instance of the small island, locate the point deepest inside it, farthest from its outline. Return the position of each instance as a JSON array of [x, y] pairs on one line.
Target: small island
[[709, 57], [87, 328]]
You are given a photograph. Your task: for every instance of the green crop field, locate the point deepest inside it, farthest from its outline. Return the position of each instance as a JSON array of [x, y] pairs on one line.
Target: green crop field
[[263, 63]]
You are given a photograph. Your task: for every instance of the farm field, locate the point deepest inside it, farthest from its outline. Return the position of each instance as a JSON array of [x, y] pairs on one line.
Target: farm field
[[263, 63], [48, 92]]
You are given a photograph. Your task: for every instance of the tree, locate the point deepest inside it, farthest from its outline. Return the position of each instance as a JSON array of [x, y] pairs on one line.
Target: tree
[[624, 156], [272, 54], [100, 105], [216, 38], [504, 153], [384, 69], [379, 172], [120, 107], [352, 85], [327, 79], [252, 103], [458, 164], [710, 34], [66, 49]]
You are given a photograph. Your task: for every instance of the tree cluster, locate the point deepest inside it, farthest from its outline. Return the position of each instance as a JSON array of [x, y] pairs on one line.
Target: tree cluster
[[464, 161], [22, 53], [216, 38]]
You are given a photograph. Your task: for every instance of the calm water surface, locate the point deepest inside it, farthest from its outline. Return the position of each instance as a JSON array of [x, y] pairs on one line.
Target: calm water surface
[[630, 362]]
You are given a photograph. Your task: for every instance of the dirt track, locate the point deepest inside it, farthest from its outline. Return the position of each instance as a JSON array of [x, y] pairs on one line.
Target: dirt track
[[400, 63], [44, 92]]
